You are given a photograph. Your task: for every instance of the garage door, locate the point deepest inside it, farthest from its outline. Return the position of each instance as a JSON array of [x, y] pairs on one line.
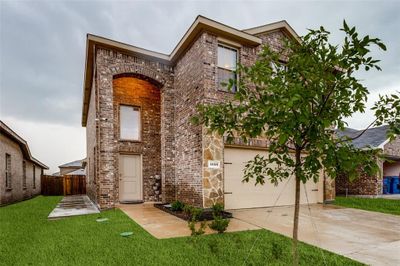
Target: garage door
[[246, 195]]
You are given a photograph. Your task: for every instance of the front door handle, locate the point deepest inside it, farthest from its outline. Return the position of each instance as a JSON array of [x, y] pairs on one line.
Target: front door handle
[[227, 192]]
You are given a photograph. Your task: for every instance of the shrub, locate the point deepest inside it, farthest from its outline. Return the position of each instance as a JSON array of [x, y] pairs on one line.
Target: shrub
[[194, 215], [217, 209], [177, 206], [219, 224], [192, 227]]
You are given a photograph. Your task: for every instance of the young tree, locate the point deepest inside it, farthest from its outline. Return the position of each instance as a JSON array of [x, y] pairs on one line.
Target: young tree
[[295, 98]]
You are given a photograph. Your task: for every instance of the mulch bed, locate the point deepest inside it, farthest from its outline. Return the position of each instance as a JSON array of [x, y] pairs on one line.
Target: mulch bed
[[205, 216]]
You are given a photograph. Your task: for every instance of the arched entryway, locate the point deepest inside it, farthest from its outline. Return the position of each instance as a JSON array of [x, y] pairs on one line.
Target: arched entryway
[[137, 124]]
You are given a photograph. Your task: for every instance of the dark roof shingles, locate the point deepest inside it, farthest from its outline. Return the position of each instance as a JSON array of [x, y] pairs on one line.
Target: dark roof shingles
[[372, 137]]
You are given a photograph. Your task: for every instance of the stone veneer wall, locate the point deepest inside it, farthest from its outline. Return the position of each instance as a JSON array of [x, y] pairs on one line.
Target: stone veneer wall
[[17, 191], [109, 64], [140, 93]]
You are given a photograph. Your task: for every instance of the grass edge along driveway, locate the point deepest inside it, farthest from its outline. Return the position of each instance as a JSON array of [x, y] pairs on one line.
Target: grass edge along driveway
[[389, 206], [27, 237]]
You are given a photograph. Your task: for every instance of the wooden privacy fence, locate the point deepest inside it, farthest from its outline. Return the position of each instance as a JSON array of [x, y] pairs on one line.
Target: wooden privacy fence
[[74, 184], [52, 185], [63, 185]]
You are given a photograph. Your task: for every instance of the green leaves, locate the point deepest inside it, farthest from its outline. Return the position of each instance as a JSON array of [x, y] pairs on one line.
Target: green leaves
[[387, 111], [294, 105], [381, 45]]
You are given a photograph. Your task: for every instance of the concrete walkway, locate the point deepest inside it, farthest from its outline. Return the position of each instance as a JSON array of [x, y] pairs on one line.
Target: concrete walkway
[[369, 237], [164, 225], [73, 206]]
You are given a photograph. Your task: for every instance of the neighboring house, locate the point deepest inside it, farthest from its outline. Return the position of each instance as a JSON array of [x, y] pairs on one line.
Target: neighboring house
[[79, 172], [373, 138], [20, 173], [137, 107], [70, 167]]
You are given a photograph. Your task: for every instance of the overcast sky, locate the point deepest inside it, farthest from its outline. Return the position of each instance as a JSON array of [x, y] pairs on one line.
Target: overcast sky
[[42, 52]]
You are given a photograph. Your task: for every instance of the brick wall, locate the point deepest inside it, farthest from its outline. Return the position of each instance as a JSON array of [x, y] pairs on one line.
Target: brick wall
[[92, 184], [189, 90], [17, 191], [108, 65], [363, 185], [140, 93]]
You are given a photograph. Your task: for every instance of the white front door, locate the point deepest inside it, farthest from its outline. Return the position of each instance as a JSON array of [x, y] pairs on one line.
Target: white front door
[[130, 178]]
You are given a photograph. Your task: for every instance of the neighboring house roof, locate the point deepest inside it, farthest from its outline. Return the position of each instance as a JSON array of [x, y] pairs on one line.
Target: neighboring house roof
[[372, 138], [4, 129], [81, 171], [77, 163], [246, 37], [56, 174]]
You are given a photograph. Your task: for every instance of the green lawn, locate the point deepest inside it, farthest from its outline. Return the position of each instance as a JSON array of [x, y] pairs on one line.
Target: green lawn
[[27, 237], [378, 205]]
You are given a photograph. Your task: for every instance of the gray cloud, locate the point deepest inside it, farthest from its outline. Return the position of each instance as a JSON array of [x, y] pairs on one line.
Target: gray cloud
[[42, 43]]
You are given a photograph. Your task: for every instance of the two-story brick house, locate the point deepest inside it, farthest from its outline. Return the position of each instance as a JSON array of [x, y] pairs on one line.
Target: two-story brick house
[[137, 108]]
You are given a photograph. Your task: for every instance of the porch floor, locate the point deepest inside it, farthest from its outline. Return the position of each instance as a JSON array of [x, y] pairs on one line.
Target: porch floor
[[164, 225]]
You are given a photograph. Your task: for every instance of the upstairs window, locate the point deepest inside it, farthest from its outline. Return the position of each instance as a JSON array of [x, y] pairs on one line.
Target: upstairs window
[[8, 171], [227, 61], [129, 122], [24, 174]]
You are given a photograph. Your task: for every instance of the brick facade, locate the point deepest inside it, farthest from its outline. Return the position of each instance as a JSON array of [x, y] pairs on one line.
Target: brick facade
[[103, 144], [365, 184], [172, 146], [133, 91], [17, 192]]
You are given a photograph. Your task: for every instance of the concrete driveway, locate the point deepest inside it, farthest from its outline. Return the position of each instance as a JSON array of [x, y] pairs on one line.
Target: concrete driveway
[[369, 237]]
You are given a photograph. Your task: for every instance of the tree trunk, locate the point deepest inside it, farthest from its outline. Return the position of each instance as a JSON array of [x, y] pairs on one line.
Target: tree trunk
[[296, 209]]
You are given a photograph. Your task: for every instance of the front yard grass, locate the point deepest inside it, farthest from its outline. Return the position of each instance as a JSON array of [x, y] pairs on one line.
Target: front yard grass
[[27, 237], [389, 206]]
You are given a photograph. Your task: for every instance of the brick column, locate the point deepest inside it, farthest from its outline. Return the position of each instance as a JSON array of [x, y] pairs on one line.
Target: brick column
[[107, 149]]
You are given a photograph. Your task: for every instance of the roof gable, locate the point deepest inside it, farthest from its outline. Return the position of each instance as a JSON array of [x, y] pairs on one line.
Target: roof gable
[[280, 25], [247, 37]]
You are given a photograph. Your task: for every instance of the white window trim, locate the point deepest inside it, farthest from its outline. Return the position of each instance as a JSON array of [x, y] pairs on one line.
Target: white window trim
[[136, 108], [222, 43]]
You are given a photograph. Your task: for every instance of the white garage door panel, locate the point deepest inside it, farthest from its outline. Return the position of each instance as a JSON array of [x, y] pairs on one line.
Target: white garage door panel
[[247, 195]]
